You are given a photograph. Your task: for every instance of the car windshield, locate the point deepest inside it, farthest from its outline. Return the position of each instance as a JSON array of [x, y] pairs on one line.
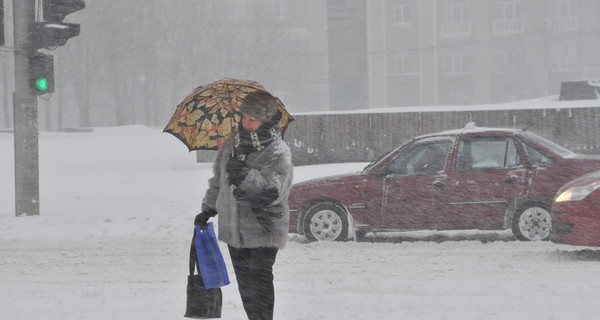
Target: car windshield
[[370, 165], [562, 151], [382, 156]]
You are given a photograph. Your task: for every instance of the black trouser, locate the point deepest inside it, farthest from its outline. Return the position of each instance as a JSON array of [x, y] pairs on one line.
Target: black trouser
[[254, 273]]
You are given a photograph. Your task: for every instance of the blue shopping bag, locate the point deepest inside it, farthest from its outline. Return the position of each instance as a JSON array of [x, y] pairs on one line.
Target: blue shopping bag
[[210, 260]]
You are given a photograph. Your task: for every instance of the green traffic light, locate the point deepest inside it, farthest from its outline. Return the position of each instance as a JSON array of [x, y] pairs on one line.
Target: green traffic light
[[41, 83]]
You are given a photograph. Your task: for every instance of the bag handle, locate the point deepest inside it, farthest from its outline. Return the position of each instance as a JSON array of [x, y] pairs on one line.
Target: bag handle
[[193, 255]]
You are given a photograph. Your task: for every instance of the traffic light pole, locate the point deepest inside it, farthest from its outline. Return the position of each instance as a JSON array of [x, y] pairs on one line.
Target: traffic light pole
[[27, 190]]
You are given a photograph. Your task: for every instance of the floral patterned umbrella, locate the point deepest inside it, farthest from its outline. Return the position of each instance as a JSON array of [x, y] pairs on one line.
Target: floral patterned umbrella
[[211, 112]]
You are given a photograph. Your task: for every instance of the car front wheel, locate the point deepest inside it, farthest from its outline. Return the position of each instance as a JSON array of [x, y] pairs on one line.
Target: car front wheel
[[532, 224], [325, 222]]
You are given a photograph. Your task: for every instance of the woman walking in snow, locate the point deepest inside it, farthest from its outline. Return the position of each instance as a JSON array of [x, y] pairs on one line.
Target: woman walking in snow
[[249, 190]]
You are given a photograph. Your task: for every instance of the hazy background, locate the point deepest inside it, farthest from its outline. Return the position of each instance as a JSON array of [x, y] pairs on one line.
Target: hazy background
[[134, 61]]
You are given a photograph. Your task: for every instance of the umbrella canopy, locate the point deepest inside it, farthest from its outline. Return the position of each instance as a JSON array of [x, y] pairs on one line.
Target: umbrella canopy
[[211, 113]]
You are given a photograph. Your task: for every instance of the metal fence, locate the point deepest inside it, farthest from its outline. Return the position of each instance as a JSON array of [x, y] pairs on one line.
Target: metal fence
[[361, 137]]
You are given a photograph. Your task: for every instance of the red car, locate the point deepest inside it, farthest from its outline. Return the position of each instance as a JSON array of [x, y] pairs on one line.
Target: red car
[[576, 212], [471, 178]]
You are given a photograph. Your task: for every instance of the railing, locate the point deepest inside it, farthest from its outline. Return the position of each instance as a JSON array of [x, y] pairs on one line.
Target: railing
[[565, 24], [456, 29], [505, 27]]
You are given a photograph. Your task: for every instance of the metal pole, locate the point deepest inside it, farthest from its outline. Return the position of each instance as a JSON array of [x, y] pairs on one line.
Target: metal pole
[[27, 188]]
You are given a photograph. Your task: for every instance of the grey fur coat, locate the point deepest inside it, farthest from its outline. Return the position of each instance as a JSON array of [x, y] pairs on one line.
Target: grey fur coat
[[237, 224]]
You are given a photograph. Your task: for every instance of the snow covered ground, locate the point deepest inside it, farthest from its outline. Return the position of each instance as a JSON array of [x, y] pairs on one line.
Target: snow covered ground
[[112, 242]]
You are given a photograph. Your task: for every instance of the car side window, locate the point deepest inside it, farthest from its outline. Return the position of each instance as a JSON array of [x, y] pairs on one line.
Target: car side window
[[423, 158], [486, 153], [534, 156]]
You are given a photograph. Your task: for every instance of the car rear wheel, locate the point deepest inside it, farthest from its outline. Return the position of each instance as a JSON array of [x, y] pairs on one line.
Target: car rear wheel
[[325, 221], [532, 224]]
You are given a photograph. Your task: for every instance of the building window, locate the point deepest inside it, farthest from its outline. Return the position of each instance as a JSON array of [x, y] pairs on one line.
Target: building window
[[509, 17], [506, 62], [561, 15], [564, 57], [280, 9], [402, 14], [561, 8], [407, 65], [226, 10], [457, 64], [457, 21]]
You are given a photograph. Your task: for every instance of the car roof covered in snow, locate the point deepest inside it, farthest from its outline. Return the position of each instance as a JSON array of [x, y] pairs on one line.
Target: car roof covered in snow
[[470, 128]]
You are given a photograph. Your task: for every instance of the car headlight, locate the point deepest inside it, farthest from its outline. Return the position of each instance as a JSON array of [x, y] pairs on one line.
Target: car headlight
[[577, 193]]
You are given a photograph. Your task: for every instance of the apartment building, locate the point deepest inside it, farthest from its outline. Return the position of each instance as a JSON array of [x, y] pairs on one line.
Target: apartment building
[[455, 52]]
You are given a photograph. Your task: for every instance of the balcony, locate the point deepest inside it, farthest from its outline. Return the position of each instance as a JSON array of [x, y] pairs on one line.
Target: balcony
[[456, 30], [508, 27], [564, 24]]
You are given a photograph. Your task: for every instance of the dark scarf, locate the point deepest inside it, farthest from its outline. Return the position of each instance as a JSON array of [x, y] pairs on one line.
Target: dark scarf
[[248, 142]]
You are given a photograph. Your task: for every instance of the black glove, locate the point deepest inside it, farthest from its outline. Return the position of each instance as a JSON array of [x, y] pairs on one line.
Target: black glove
[[236, 170], [202, 217]]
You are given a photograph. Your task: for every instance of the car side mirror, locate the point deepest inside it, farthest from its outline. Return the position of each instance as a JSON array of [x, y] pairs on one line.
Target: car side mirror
[[542, 163]]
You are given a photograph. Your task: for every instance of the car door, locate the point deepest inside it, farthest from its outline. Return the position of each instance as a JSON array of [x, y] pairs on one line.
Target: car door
[[487, 175], [413, 189]]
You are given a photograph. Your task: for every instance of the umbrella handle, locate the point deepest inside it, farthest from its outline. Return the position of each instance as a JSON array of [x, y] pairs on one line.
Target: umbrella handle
[[232, 116], [231, 124]]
